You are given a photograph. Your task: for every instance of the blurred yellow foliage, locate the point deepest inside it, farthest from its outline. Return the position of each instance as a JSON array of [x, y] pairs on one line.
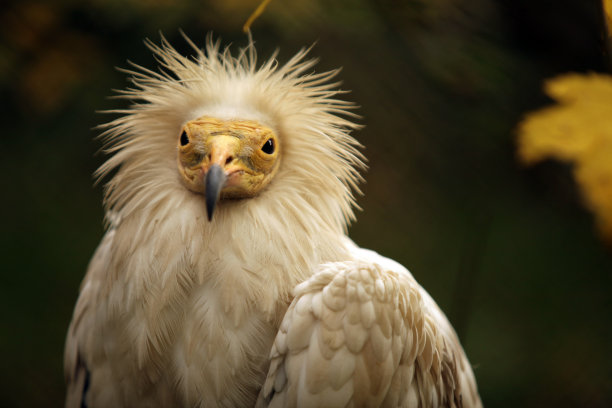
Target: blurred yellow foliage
[[607, 5], [578, 130], [49, 77]]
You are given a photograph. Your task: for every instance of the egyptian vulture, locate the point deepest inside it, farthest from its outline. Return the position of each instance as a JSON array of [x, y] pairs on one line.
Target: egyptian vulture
[[226, 277]]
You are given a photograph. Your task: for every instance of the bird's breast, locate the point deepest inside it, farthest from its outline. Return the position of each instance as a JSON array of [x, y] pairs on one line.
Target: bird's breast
[[218, 356], [195, 311]]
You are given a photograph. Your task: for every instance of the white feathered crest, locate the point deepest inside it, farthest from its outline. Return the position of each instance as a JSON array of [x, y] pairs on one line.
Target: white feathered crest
[[320, 158]]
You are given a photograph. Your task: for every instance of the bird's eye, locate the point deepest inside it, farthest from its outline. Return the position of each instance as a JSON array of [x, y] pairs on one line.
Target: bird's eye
[[268, 147], [184, 139]]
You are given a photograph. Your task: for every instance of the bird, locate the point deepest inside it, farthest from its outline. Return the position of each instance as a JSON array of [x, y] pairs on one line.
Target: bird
[[226, 277]]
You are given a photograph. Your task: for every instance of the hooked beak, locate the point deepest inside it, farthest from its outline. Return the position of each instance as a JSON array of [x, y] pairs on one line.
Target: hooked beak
[[215, 180]]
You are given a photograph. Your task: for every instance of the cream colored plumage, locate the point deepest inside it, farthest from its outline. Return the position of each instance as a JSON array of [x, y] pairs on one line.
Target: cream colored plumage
[[268, 303]]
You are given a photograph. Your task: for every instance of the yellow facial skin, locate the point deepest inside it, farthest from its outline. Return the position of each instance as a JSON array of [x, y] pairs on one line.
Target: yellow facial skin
[[246, 150]]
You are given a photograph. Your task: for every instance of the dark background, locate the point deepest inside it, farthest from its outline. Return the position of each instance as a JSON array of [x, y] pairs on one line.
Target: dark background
[[508, 252]]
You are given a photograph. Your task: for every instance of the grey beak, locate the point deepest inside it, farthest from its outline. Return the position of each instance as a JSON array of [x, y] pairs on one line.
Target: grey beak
[[215, 180]]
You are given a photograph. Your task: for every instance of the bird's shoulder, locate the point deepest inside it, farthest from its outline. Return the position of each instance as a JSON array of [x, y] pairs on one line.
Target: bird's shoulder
[[363, 331]]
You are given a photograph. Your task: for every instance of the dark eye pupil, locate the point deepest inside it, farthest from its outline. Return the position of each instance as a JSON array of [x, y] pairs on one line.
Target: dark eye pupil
[[184, 138], [268, 147]]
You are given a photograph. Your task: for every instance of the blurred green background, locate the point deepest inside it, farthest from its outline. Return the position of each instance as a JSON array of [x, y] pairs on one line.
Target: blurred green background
[[508, 252]]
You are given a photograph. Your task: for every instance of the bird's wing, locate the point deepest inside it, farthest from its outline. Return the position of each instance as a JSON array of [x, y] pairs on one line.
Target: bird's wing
[[364, 333], [81, 332]]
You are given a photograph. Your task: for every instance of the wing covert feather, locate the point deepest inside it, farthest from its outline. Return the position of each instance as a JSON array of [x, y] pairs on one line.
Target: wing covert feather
[[364, 333], [80, 332]]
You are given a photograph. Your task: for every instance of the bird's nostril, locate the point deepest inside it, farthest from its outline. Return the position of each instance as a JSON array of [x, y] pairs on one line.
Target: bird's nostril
[[229, 160]]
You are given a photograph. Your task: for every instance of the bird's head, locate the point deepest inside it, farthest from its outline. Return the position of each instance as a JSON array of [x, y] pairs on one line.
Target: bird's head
[[269, 144], [227, 158]]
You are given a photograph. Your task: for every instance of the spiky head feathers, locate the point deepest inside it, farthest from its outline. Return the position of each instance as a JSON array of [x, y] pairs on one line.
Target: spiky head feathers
[[320, 160]]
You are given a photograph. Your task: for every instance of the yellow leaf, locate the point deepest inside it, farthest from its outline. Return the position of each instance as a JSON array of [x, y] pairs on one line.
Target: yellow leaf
[[577, 130]]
